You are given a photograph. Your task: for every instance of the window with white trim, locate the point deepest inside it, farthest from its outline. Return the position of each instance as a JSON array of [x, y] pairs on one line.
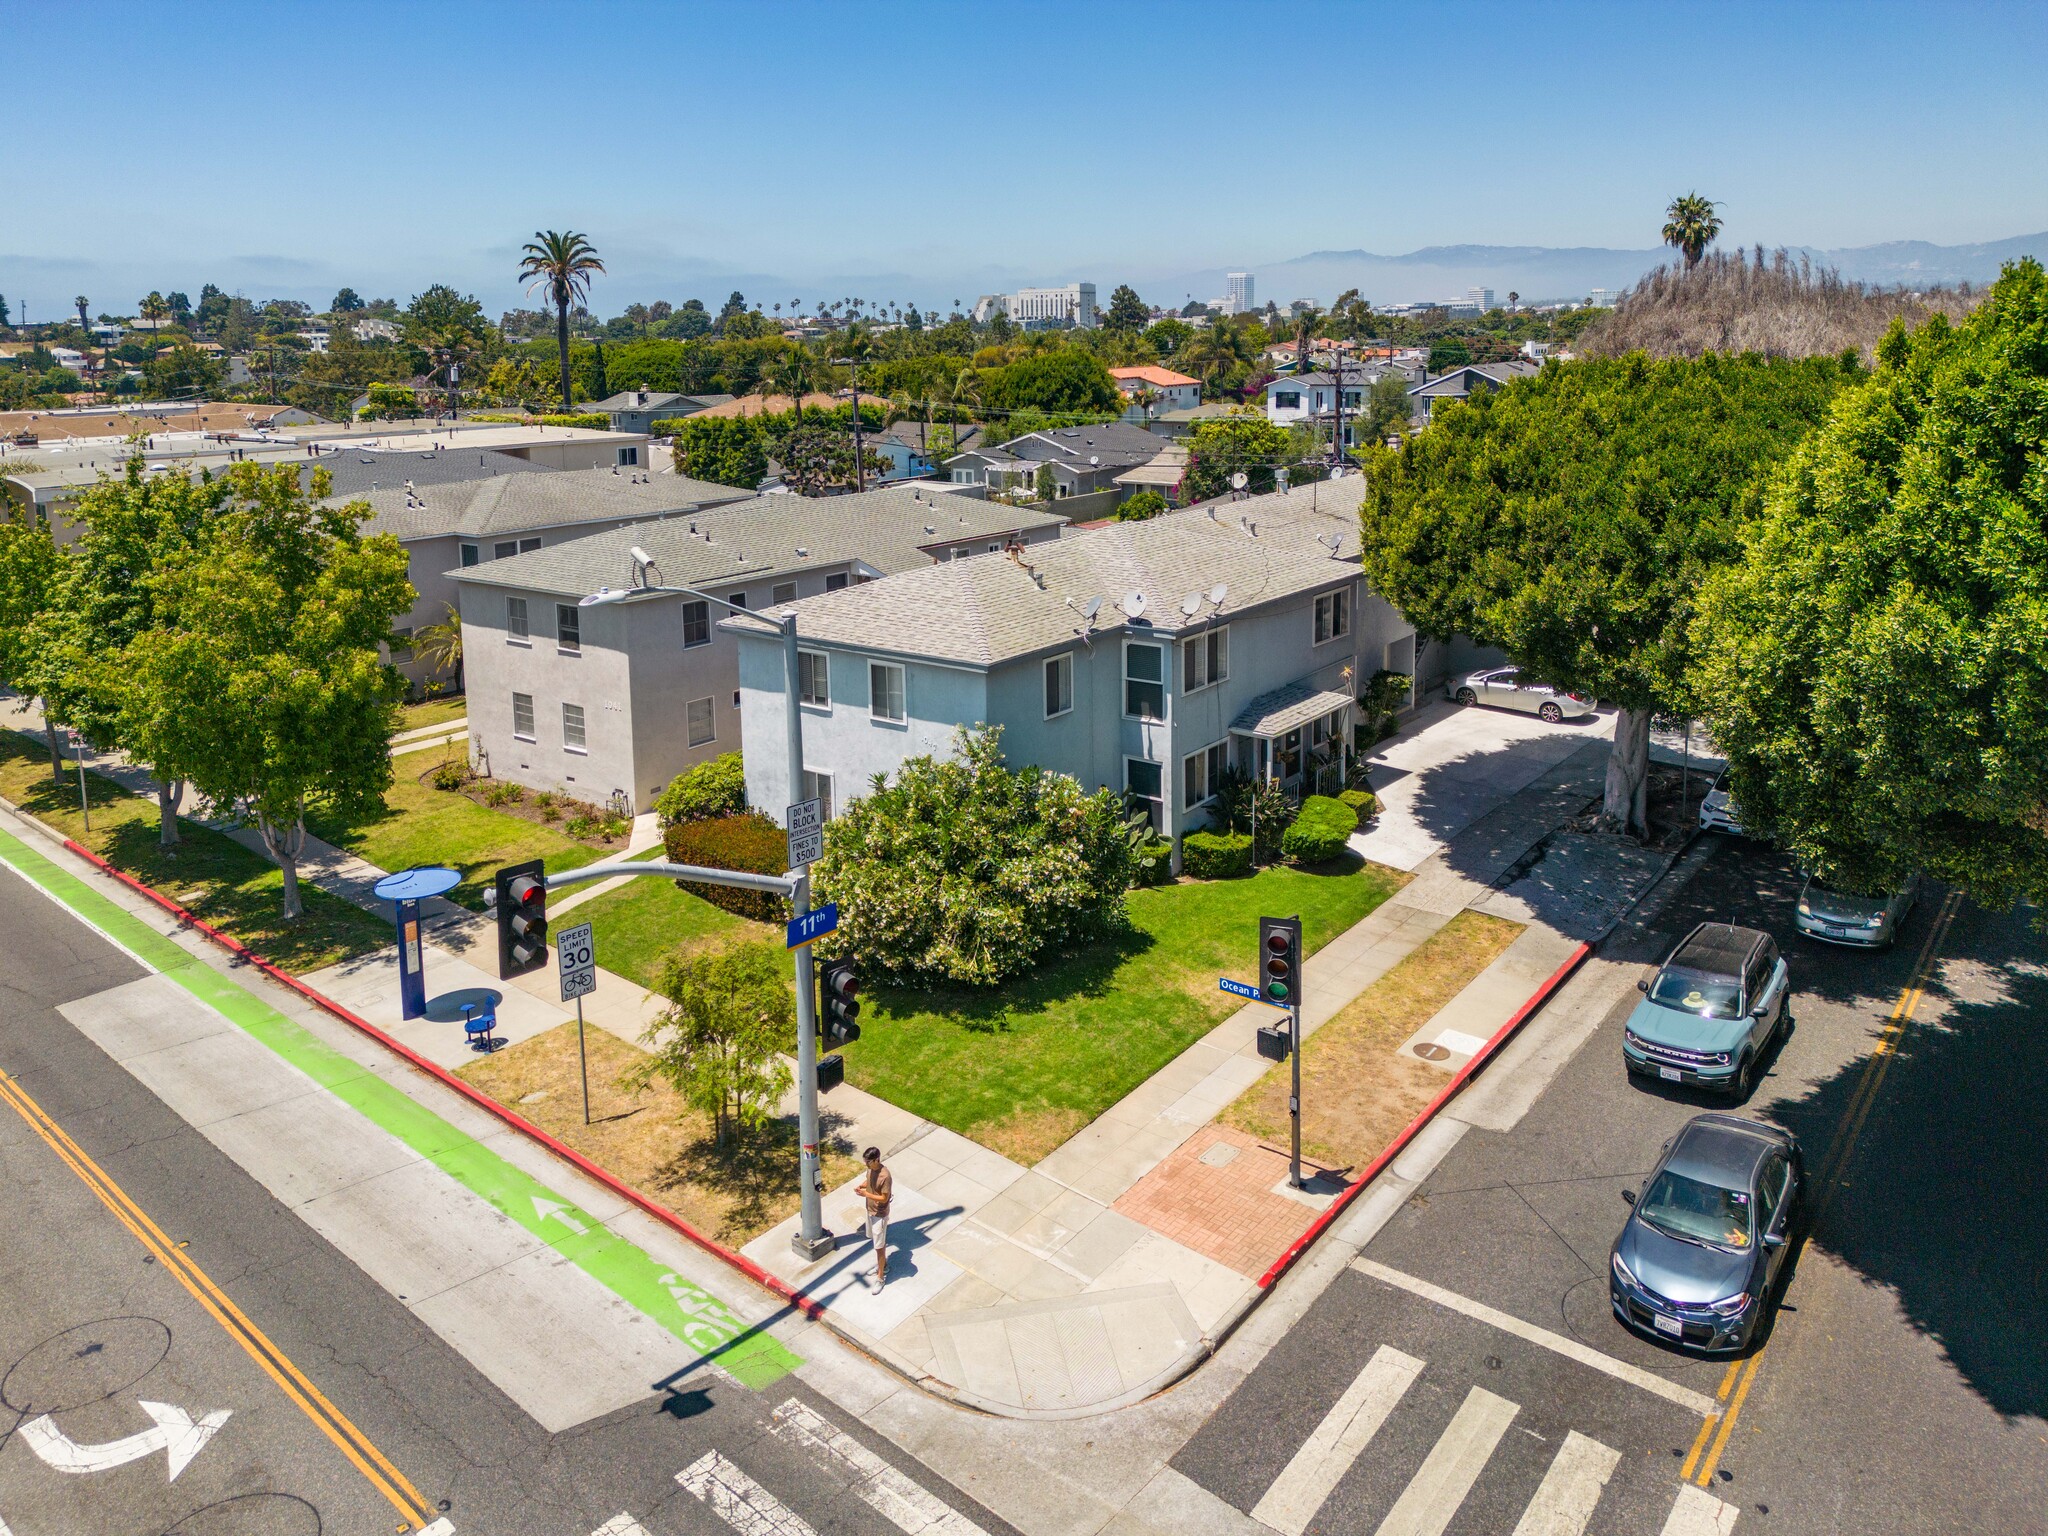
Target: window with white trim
[[471, 554], [785, 592], [702, 727], [1200, 771], [696, 624], [522, 716], [568, 629], [515, 621], [1333, 616], [1144, 681], [885, 691], [528, 546], [814, 679], [818, 787], [1059, 686], [1205, 659], [1145, 783], [401, 643], [572, 728]]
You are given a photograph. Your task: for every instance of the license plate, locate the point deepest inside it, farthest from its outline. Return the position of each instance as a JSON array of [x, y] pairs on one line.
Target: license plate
[[1670, 1075], [1670, 1325]]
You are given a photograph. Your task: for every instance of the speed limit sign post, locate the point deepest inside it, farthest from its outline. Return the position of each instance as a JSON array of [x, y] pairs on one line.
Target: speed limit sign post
[[576, 964]]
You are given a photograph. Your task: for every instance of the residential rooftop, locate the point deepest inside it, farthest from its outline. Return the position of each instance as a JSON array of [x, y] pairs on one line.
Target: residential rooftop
[[1151, 373], [517, 503]]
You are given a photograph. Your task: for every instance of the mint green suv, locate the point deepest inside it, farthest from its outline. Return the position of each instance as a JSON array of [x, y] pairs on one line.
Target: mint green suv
[[1711, 1011]]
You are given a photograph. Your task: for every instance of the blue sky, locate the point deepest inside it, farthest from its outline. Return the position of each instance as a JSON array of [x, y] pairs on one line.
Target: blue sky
[[935, 150]]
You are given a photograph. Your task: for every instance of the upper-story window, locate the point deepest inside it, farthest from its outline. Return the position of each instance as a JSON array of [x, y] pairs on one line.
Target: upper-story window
[[515, 621], [1144, 681], [1059, 686], [885, 691], [471, 554], [814, 678], [785, 592], [696, 624], [1333, 616], [568, 629], [1205, 660], [1287, 400]]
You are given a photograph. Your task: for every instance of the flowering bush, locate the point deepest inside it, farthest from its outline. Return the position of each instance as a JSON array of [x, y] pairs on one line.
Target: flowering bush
[[715, 787], [748, 841], [965, 871]]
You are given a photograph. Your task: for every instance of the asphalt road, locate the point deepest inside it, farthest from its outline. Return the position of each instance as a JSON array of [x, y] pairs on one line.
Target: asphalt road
[[1904, 1382], [344, 1414]]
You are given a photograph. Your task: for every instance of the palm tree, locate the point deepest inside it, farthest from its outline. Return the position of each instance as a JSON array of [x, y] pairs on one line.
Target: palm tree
[[560, 262], [1691, 224], [1213, 353], [1514, 298], [793, 374], [440, 645], [154, 309], [83, 323], [1305, 325]]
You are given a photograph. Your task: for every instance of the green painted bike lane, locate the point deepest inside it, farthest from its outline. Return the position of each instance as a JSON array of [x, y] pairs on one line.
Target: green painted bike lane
[[704, 1323]]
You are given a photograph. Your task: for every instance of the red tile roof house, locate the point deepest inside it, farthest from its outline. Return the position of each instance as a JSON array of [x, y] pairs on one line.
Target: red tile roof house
[[1170, 391]]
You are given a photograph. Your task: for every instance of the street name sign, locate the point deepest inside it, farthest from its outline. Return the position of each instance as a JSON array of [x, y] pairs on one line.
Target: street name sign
[[1246, 990], [813, 925], [576, 954]]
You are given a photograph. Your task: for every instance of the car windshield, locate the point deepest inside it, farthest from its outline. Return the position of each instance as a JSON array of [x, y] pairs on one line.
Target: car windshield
[[1705, 1213], [1711, 997], [1863, 903]]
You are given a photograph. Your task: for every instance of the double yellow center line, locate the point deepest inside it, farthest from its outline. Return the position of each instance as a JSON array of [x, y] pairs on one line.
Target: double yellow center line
[[1712, 1441], [413, 1510]]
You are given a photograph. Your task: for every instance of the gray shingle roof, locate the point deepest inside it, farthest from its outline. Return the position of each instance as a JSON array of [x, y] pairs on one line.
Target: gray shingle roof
[[657, 400], [521, 503], [889, 529], [992, 609], [1289, 708], [358, 471]]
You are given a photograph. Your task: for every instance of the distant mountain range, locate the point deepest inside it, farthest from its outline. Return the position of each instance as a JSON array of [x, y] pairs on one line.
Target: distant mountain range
[[1546, 273]]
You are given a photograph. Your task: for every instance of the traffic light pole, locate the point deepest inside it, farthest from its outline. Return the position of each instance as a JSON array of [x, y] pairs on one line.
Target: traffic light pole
[[810, 1240], [1294, 1097]]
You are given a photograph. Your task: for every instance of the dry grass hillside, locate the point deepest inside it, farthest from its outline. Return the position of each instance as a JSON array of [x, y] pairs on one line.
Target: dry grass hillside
[[1775, 306]]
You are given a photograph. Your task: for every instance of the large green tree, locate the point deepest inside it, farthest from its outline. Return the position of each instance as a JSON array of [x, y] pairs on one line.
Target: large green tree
[[30, 566], [725, 450], [1246, 443], [1572, 518], [263, 680], [1877, 666], [1063, 381], [1126, 310]]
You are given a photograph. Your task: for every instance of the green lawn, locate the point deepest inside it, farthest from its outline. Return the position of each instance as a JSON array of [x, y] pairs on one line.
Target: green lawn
[[230, 887], [414, 717], [424, 825], [638, 924], [1022, 1068]]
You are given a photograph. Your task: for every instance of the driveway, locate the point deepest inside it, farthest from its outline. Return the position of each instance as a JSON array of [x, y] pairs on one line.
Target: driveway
[[1453, 763]]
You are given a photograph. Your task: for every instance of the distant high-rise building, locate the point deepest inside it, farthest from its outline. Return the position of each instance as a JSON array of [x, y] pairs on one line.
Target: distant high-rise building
[[1482, 297], [1237, 298], [1602, 298]]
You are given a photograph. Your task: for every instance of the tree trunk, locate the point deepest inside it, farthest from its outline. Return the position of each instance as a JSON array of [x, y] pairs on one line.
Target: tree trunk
[[167, 797], [285, 844], [562, 345], [50, 735], [1628, 775]]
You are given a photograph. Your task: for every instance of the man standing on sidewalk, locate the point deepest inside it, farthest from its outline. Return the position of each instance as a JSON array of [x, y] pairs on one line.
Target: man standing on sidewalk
[[876, 1187]]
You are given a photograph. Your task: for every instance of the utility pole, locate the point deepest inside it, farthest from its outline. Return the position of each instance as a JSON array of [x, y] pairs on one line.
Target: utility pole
[[1337, 436], [860, 472], [810, 1240]]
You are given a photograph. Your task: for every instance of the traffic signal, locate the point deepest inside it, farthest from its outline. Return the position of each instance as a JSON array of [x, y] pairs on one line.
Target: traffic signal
[[838, 1000], [521, 901], [1280, 961]]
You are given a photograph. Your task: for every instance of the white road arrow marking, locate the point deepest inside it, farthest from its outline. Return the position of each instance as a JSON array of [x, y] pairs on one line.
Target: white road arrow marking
[[544, 1209], [176, 1433]]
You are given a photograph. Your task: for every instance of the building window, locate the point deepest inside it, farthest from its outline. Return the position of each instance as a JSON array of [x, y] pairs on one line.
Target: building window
[[835, 582], [401, 644], [814, 679], [696, 624], [818, 787], [1333, 616], [630, 455], [737, 599], [572, 728], [471, 554], [1144, 682], [1059, 686], [885, 691], [515, 621], [506, 550], [522, 716], [785, 592], [1287, 400], [1200, 771], [1143, 782], [528, 546], [1205, 660], [568, 628], [702, 728]]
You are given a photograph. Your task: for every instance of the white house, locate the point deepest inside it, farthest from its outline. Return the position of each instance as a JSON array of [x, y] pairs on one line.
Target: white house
[[1170, 391]]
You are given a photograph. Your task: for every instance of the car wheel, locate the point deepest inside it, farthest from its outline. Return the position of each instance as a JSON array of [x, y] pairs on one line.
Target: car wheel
[[1551, 713], [1744, 1081], [1467, 696]]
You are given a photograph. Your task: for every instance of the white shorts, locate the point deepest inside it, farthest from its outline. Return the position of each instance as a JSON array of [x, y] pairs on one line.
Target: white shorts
[[878, 1228]]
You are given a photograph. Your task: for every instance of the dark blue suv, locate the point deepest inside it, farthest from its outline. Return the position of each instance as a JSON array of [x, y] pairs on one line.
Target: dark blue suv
[[1696, 1260]]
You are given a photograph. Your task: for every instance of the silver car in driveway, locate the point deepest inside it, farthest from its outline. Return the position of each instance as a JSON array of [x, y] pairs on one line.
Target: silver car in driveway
[[1507, 688], [1845, 917]]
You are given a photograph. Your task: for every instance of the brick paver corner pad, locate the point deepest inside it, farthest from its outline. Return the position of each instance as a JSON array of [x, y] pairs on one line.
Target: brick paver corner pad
[[700, 1320]]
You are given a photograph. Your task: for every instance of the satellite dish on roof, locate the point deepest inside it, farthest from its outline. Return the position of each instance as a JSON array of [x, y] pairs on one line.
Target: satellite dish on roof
[[1330, 541], [1191, 604], [1237, 480], [1218, 592], [1133, 604], [1091, 608], [1093, 460]]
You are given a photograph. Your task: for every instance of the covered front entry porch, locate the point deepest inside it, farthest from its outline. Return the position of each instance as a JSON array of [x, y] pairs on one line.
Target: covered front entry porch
[[1298, 737]]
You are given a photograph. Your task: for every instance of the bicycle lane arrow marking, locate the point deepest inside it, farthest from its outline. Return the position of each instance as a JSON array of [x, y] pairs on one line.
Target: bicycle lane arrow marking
[[544, 1208], [176, 1433]]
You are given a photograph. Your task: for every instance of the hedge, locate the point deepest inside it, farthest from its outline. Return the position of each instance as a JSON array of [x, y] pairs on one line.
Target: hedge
[[596, 419], [1160, 870], [1364, 804], [1319, 833], [748, 841], [1216, 855]]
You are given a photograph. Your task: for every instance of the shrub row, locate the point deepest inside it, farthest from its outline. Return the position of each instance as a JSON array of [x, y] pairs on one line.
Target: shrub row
[[745, 841], [1363, 802], [1216, 855]]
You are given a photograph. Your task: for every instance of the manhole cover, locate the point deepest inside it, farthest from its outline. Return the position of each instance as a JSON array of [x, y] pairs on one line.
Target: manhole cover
[[1221, 1155], [1429, 1050], [86, 1364]]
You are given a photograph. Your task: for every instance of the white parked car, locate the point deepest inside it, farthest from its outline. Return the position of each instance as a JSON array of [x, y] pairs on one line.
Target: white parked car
[[1507, 688], [1718, 812]]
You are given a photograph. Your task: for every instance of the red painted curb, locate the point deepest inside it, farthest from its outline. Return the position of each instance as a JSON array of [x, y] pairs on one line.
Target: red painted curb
[[662, 1214], [1393, 1150]]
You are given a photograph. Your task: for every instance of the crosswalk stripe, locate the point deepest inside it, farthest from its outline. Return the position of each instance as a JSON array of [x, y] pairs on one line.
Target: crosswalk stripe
[[903, 1503], [738, 1500], [1451, 1468], [1564, 1503], [1298, 1492], [1699, 1513], [620, 1525]]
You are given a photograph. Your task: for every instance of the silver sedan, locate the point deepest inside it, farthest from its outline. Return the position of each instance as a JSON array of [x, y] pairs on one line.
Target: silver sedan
[[1507, 688]]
